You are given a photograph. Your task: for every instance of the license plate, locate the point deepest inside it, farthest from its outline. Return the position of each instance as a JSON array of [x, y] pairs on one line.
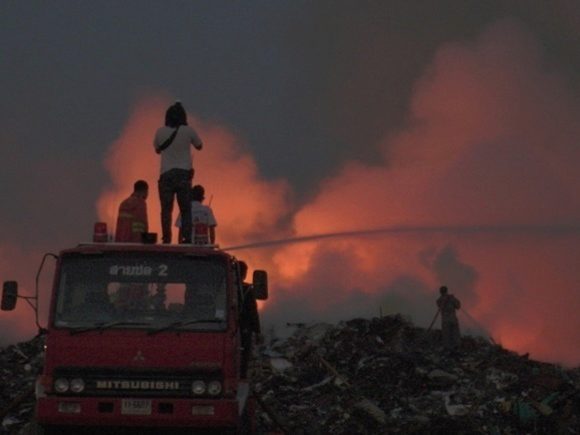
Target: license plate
[[136, 407]]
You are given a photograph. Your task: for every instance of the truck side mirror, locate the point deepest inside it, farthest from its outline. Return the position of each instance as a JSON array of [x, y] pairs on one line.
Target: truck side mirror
[[9, 295], [260, 284]]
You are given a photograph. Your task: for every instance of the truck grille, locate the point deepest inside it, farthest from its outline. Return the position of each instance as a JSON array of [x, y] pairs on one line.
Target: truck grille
[[112, 382]]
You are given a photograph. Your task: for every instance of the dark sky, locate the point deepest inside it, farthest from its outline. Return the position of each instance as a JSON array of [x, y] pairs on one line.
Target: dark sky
[[357, 114]]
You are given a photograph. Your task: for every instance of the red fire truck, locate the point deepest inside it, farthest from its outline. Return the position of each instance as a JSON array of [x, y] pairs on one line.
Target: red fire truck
[[143, 338]]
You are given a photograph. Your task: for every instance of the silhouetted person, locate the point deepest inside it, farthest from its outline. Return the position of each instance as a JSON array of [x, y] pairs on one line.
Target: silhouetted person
[[249, 318], [202, 218], [173, 143], [132, 217], [448, 305]]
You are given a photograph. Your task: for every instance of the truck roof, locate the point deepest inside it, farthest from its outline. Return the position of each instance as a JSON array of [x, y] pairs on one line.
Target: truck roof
[[95, 248]]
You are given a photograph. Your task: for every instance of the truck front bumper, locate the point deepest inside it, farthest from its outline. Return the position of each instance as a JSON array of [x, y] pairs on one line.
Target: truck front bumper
[[155, 412]]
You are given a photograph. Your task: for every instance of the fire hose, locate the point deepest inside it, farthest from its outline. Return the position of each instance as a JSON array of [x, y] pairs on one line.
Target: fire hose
[[434, 319], [467, 316], [477, 325]]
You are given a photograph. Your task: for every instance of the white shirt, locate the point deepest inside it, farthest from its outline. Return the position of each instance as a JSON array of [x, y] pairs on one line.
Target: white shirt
[[202, 219], [199, 213], [178, 154]]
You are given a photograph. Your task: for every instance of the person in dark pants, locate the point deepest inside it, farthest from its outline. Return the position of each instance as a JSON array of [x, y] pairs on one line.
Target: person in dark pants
[[173, 143]]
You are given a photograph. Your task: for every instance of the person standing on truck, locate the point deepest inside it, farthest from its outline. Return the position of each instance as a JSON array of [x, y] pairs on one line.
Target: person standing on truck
[[448, 305], [173, 143], [202, 218], [132, 217]]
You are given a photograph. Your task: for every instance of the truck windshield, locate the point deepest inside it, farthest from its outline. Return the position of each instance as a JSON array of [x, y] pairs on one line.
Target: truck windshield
[[146, 291]]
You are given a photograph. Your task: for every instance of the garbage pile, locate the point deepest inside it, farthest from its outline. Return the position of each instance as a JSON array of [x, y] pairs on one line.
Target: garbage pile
[[386, 376], [370, 376], [19, 365]]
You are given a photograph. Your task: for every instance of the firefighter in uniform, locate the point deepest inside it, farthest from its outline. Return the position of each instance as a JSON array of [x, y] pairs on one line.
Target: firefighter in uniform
[[132, 218]]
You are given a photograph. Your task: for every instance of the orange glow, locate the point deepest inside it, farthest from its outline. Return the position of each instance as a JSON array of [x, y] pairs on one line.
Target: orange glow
[[294, 261], [492, 142], [244, 204], [130, 158]]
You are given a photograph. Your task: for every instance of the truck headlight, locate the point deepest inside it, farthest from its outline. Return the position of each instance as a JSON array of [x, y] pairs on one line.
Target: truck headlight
[[61, 385], [198, 388], [214, 388], [77, 385]]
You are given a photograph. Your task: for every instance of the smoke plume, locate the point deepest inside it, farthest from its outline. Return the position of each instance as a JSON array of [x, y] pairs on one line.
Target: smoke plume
[[491, 150], [478, 191]]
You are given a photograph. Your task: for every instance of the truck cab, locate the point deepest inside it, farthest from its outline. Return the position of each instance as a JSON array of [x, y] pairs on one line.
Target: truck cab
[[146, 337]]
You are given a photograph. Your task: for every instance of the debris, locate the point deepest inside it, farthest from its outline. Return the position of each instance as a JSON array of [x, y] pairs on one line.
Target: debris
[[372, 409], [368, 376], [454, 409], [442, 378], [280, 364], [19, 365]]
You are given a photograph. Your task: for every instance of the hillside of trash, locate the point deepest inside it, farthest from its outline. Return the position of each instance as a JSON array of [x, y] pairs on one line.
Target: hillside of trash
[[370, 376], [384, 375]]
